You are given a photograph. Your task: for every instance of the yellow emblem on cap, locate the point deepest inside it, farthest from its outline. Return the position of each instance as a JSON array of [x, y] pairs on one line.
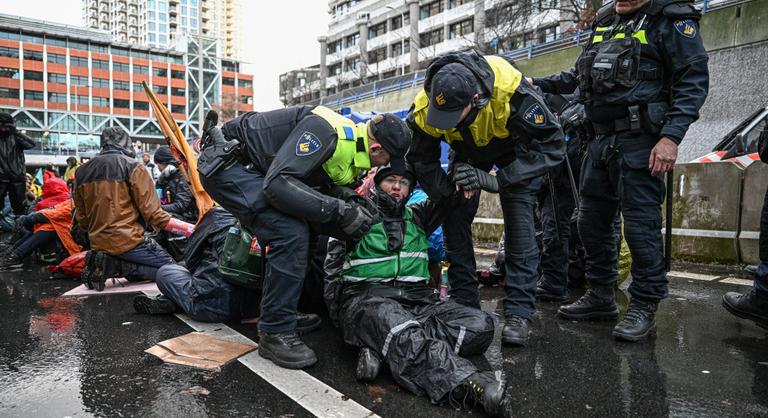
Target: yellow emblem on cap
[[440, 99]]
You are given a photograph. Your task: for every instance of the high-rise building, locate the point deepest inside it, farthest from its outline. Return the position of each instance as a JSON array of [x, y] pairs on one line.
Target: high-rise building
[[64, 85], [162, 23]]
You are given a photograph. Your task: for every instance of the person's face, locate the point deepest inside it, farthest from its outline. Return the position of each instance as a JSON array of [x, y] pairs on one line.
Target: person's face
[[626, 7], [145, 157], [465, 112], [395, 186], [379, 156], [161, 166]]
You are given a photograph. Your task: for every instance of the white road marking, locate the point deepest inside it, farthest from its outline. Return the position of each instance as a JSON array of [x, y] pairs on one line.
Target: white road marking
[[692, 276], [734, 280], [313, 395]]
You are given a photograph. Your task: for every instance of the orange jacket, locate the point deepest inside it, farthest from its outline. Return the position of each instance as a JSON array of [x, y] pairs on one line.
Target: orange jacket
[[60, 218]]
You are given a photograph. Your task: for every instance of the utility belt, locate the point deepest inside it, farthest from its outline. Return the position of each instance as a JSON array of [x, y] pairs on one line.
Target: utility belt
[[649, 118], [219, 155]]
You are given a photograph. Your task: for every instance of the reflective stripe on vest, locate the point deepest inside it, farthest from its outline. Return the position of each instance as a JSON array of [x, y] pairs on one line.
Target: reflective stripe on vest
[[371, 261], [491, 121], [601, 30], [346, 162]]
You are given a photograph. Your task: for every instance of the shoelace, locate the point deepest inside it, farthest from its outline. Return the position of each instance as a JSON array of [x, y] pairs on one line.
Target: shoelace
[[292, 339], [588, 298], [515, 321], [635, 315], [466, 402]]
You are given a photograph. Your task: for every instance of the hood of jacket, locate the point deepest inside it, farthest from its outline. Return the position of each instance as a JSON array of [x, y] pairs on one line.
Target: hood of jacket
[[470, 59]]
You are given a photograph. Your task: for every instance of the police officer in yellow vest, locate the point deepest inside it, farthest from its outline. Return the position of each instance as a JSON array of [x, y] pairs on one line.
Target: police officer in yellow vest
[[287, 163], [491, 117]]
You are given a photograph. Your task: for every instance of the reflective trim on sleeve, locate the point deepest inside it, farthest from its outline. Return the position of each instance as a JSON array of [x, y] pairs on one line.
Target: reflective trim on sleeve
[[460, 340], [415, 255], [394, 331], [364, 261]]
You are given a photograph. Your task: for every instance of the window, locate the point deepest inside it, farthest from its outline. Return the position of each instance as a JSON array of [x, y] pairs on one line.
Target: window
[[163, 17], [140, 69], [9, 93], [175, 91], [103, 49], [100, 83], [57, 42], [397, 21], [456, 3], [123, 104], [14, 36], [163, 39], [33, 75], [120, 66], [177, 74], [151, 37], [9, 52], [377, 55], [179, 109], [397, 48], [351, 64], [377, 30], [78, 80], [138, 87], [246, 99], [431, 9], [334, 47], [120, 85], [160, 89], [246, 84], [9, 73], [352, 40], [81, 100], [463, 28], [78, 61], [57, 97], [34, 95], [151, 15], [431, 38], [33, 55], [78, 45], [57, 78], [57, 59], [228, 81], [141, 105], [101, 101], [99, 64], [159, 72], [334, 69], [151, 26]]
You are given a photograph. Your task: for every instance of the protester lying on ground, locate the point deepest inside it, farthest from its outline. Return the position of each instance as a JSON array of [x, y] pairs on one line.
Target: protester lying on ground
[[199, 290], [47, 226], [12, 163], [113, 192], [378, 293]]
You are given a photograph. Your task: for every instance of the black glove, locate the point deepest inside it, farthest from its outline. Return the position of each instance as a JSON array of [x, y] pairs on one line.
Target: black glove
[[356, 221], [469, 178]]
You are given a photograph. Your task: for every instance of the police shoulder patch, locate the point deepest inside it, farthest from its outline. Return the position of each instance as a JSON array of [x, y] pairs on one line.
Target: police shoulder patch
[[686, 28], [307, 144], [535, 115]]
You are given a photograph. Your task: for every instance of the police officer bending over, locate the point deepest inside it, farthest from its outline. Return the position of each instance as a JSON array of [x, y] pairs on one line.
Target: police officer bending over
[[643, 77], [287, 160], [490, 116], [379, 293]]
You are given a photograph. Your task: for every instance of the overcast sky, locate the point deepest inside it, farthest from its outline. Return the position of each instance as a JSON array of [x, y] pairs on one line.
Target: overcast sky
[[278, 36]]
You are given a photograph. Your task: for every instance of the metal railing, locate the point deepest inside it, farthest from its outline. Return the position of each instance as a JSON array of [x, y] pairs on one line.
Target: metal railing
[[368, 91]]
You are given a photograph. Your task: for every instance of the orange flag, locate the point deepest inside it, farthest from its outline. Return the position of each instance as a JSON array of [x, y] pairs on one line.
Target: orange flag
[[181, 151]]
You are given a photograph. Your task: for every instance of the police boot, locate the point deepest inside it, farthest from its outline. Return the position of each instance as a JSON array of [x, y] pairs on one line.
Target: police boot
[[99, 267], [286, 349], [544, 294], [307, 322], [479, 388], [368, 365], [9, 260], [639, 322], [153, 306], [597, 303], [752, 305], [515, 331]]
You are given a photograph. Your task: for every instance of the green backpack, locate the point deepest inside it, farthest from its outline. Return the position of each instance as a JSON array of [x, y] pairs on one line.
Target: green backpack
[[243, 261]]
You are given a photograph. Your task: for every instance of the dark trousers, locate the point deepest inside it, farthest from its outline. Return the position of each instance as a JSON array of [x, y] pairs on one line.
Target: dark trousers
[[420, 338], [556, 212], [142, 261], [521, 258], [761, 276], [240, 191], [204, 296], [616, 177], [16, 194], [32, 241]]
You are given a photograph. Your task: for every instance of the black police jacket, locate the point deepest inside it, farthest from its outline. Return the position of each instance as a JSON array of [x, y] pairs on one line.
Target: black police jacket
[[674, 46], [12, 162], [176, 194], [294, 184]]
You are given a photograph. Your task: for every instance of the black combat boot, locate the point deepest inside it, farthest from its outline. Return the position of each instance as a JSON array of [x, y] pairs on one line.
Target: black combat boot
[[597, 303], [9, 260], [307, 322], [99, 267], [544, 294], [368, 365], [480, 388], [515, 331], [286, 349], [153, 306], [752, 305], [639, 322]]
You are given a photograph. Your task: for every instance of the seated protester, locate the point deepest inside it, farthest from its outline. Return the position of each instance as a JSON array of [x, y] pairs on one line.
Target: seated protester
[[49, 225], [378, 293], [175, 198], [113, 194], [198, 288]]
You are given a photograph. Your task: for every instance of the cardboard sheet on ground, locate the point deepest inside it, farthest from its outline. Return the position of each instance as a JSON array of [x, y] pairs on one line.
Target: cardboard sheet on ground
[[199, 350], [121, 286]]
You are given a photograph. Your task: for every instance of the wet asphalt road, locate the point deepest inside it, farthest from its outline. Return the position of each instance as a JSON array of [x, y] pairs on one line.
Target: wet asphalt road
[[84, 357]]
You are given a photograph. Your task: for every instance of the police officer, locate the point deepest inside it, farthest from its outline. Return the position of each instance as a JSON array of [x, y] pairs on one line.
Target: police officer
[[643, 77], [490, 116], [285, 161]]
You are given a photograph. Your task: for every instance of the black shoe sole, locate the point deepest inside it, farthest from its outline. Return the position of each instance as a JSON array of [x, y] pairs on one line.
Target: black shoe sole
[[145, 305], [635, 338], [758, 320], [514, 342], [299, 364], [549, 297], [590, 316]]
